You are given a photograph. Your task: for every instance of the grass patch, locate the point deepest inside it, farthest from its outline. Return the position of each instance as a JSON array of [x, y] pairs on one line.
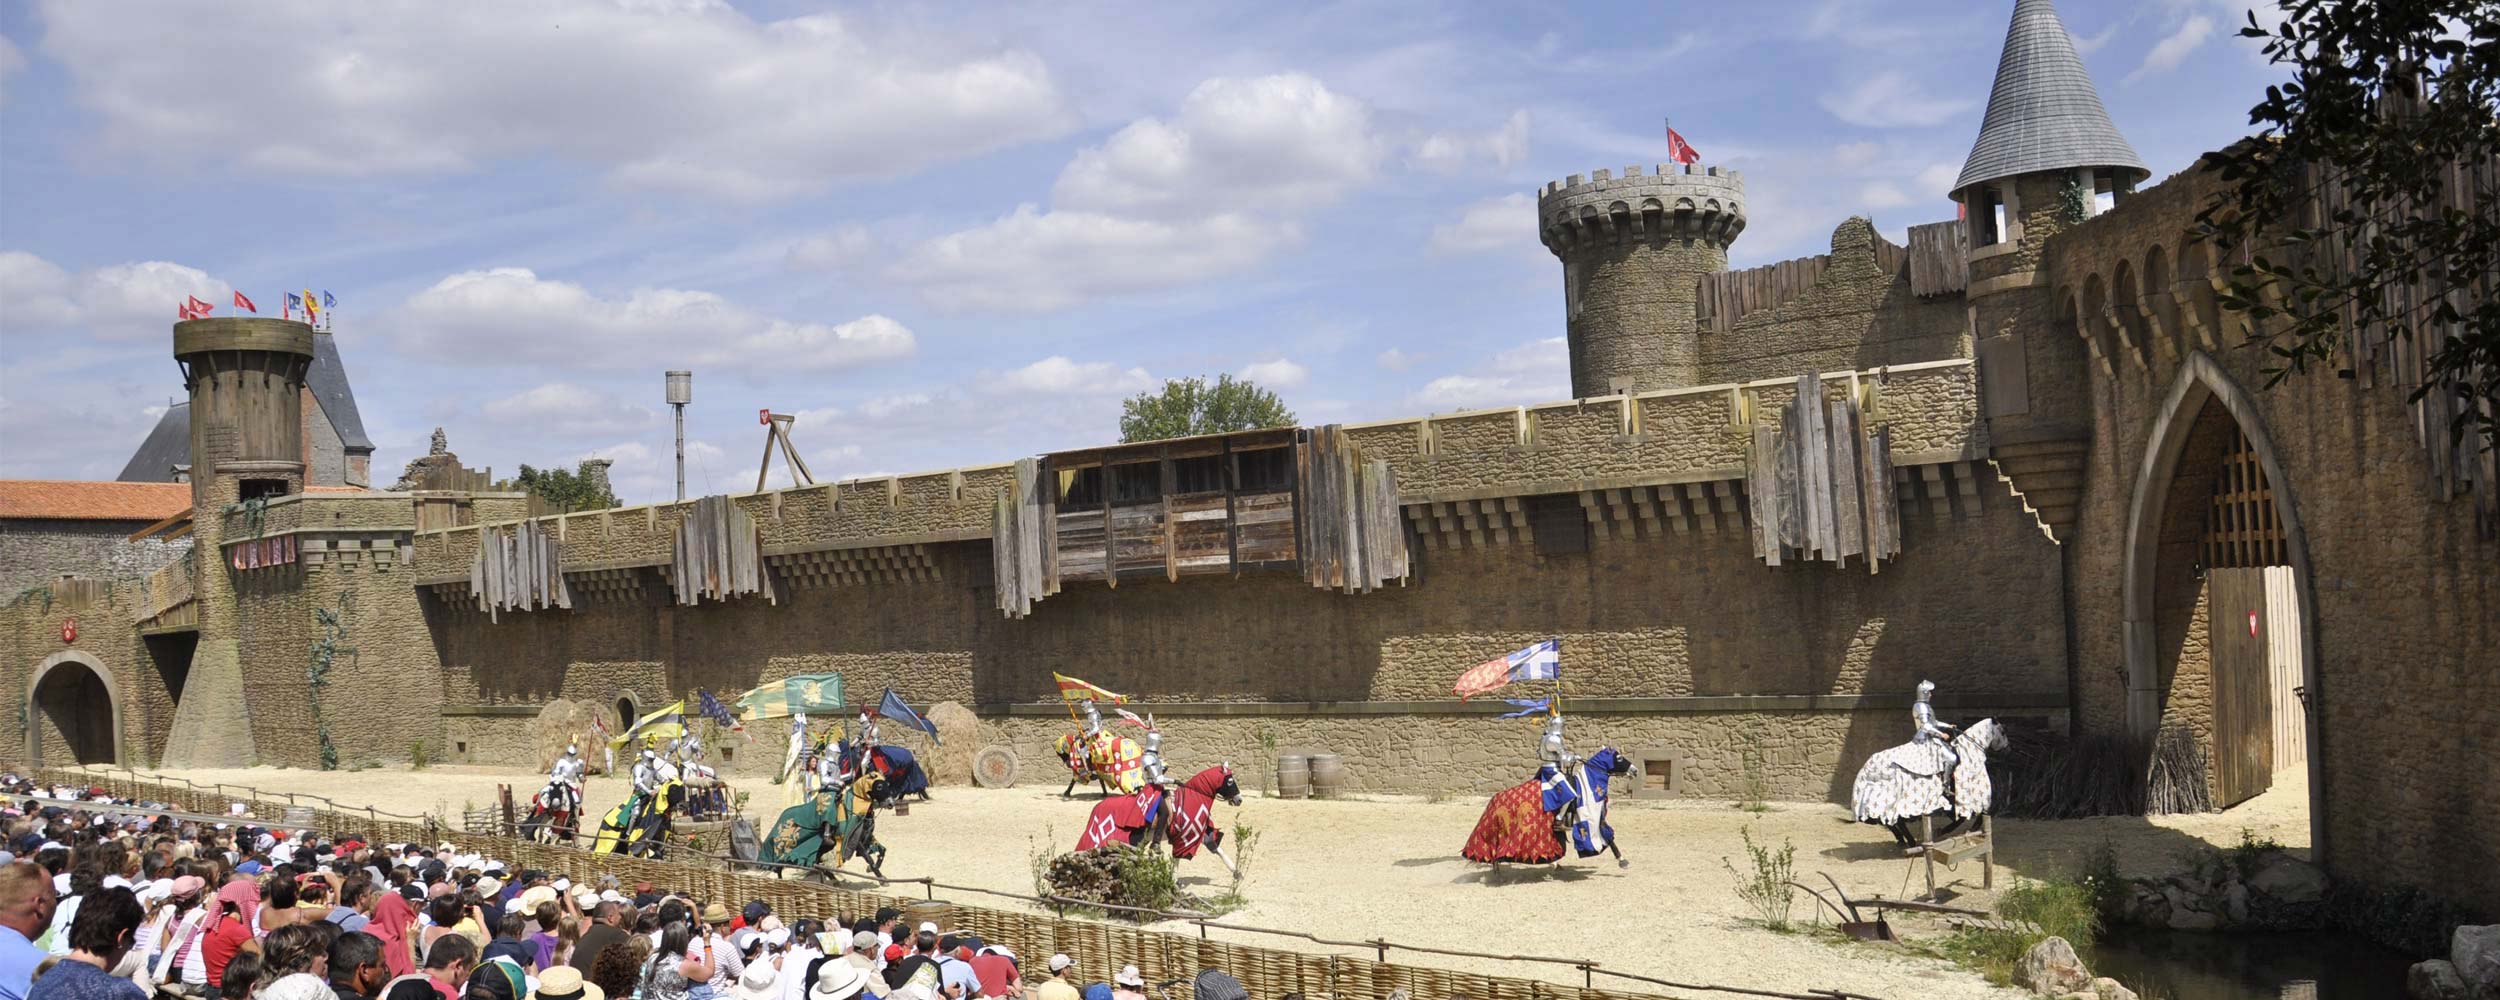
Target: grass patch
[[2061, 907]]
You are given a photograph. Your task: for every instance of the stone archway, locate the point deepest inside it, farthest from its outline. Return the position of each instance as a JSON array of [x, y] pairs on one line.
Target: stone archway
[[74, 708], [2200, 390]]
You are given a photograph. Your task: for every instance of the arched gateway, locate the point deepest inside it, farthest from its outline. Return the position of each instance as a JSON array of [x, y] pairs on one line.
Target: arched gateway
[[73, 710], [2215, 547]]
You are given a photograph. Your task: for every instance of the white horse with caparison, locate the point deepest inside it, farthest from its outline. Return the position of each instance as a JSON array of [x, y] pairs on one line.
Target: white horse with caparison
[[1906, 782]]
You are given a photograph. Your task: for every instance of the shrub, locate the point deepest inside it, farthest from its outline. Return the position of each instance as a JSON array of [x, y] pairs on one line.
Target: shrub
[[1147, 876], [2063, 907], [1766, 889], [416, 756]]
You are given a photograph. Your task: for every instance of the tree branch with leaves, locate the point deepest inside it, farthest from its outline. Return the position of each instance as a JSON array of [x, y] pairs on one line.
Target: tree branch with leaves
[[2366, 199], [1186, 407]]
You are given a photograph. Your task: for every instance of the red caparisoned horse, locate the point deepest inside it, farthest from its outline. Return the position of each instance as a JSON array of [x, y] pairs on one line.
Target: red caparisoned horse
[[1182, 816]]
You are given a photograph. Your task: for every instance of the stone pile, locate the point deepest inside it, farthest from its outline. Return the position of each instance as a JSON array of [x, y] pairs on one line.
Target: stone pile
[[2267, 890], [2052, 969], [2470, 972]]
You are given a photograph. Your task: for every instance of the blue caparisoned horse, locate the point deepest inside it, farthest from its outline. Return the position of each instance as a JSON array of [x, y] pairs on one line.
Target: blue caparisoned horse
[[1536, 821], [901, 771]]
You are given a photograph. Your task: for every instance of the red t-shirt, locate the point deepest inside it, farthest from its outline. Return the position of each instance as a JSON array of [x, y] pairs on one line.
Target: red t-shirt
[[218, 947], [996, 972]]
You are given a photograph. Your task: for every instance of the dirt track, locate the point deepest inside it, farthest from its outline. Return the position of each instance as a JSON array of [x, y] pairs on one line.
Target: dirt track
[[1390, 868]]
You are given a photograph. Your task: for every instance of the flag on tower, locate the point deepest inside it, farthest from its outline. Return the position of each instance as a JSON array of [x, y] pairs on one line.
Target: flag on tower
[[312, 307], [244, 303], [293, 303], [1678, 150], [1539, 662]]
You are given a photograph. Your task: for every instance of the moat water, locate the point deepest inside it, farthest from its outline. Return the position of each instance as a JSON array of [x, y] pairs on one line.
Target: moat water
[[2188, 965]]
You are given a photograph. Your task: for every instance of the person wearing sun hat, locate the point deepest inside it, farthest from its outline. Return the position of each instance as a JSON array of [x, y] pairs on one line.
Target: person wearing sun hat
[[838, 981], [1059, 986], [727, 962], [1127, 984], [565, 982], [760, 982]]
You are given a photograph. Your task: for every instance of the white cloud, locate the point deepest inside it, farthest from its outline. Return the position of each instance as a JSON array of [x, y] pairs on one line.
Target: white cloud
[[1852, 155], [130, 303], [2086, 45], [1449, 152], [1891, 99], [1491, 224], [1937, 180], [1060, 376], [1036, 261], [686, 95], [1396, 359], [845, 247], [1213, 191], [1882, 194], [569, 409], [2167, 54], [1267, 143], [11, 61], [645, 473], [510, 314], [1280, 373], [1535, 372]]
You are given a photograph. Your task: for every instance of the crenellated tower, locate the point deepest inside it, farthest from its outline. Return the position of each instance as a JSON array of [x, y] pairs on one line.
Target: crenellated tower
[[246, 380], [1633, 249]]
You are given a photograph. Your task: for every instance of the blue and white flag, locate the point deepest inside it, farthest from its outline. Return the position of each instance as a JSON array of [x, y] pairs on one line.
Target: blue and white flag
[[714, 710], [1527, 707], [892, 707]]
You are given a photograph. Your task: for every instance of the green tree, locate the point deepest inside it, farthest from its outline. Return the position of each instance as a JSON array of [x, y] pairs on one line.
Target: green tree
[[1189, 406], [2385, 99], [583, 487]]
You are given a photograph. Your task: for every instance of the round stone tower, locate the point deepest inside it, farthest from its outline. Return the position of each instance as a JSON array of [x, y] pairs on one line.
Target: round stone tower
[[246, 379], [1633, 249]]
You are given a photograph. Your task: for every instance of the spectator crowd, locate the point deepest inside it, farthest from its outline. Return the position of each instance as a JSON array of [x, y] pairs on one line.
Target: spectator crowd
[[109, 900]]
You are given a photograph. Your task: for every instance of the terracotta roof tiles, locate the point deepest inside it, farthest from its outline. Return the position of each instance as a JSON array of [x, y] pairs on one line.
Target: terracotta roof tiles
[[81, 500]]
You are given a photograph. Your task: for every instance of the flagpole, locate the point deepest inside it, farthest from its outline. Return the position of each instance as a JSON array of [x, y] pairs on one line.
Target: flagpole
[[1558, 677]]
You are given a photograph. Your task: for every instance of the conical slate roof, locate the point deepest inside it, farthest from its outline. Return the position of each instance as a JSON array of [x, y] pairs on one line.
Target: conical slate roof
[[2043, 113]]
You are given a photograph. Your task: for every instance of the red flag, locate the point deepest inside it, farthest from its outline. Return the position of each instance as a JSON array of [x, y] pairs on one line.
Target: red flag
[[243, 303], [183, 311], [1680, 151]]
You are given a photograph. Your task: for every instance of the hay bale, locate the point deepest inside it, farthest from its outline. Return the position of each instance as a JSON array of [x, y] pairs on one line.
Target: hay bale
[[563, 721], [950, 763]]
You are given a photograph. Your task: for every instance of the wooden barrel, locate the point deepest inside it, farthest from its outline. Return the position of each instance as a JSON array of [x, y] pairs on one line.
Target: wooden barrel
[[1327, 776], [1293, 776]]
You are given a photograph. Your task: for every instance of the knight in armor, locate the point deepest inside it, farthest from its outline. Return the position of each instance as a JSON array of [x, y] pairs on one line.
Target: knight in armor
[[1928, 732], [1092, 718], [564, 780], [1550, 748], [797, 762], [1152, 757], [647, 772]]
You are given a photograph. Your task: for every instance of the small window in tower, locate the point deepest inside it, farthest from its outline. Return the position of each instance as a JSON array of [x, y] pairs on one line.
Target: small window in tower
[[1080, 489], [1987, 217], [261, 489]]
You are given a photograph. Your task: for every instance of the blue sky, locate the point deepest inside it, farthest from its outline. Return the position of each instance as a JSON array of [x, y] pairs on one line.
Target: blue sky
[[942, 234]]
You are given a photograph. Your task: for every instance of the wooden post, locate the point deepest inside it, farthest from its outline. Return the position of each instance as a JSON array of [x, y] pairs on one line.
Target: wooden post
[[1988, 853], [1927, 849]]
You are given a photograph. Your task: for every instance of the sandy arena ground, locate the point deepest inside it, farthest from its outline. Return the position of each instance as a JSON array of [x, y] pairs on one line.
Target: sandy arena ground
[[1389, 867]]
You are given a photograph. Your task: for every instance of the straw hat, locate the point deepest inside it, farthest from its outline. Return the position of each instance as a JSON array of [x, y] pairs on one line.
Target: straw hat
[[838, 981], [564, 982], [758, 982]]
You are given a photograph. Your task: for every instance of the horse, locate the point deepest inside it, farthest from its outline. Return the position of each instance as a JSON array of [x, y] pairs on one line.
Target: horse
[[639, 825], [899, 772], [839, 822], [1536, 821], [1179, 816], [1114, 761], [554, 814], [1906, 782]]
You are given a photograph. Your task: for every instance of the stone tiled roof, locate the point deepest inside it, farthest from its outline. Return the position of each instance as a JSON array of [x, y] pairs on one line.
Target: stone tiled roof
[[168, 445], [2043, 113], [81, 500], [327, 378]]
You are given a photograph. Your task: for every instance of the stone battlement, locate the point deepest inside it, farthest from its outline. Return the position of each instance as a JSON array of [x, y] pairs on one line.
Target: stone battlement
[[1682, 201]]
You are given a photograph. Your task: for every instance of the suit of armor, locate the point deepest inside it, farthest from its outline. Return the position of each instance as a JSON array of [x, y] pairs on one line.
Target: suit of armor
[[564, 780], [1930, 732], [1549, 747], [1092, 717], [647, 772], [1152, 757]]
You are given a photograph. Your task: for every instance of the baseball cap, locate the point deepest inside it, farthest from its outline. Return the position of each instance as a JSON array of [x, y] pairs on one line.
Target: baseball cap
[[1060, 962]]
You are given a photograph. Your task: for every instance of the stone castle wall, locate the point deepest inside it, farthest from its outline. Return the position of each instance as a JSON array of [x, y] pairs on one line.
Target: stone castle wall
[[1860, 315], [34, 552], [2405, 592], [1694, 627]]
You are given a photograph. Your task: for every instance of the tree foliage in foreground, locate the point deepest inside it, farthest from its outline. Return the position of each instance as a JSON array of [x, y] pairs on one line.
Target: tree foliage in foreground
[[1189, 406], [2385, 98]]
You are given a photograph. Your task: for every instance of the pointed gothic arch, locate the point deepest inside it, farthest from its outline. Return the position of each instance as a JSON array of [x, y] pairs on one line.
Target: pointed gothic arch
[[2201, 381]]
